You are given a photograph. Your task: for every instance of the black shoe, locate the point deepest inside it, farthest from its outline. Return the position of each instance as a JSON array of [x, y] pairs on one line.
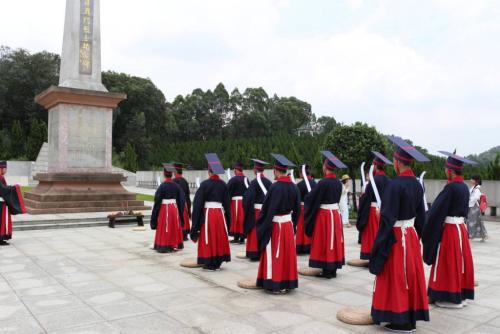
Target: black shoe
[[328, 274], [406, 328], [186, 238], [3, 243], [212, 268], [234, 241], [242, 241]]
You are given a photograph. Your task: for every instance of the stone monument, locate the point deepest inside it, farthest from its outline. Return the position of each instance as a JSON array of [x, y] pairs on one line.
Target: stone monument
[[79, 177]]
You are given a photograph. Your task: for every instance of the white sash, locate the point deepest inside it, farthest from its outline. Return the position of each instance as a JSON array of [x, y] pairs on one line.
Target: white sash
[[213, 205], [404, 225], [277, 220], [457, 221]]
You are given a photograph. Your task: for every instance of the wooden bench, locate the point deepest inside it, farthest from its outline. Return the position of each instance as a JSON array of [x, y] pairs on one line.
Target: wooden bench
[[125, 218]]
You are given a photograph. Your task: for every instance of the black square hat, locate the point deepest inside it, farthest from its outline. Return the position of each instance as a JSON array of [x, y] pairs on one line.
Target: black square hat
[[380, 159], [238, 165], [214, 164], [406, 152], [281, 162], [3, 164], [168, 167], [178, 165], [332, 161], [456, 162], [259, 164]]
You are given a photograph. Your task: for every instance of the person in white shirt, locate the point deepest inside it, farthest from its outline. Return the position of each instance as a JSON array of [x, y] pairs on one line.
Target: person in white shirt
[[475, 224], [344, 200]]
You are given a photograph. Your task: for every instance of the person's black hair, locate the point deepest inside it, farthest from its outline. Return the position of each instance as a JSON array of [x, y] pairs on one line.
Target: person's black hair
[[380, 167], [404, 163], [345, 181], [477, 178]]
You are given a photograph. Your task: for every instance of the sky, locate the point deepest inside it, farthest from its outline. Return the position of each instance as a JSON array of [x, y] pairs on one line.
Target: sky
[[427, 70]]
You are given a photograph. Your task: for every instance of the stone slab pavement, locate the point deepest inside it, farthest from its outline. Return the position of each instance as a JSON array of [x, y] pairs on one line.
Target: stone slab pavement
[[100, 280]]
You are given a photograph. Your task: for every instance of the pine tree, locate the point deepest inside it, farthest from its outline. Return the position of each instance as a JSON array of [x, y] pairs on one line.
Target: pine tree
[[130, 158], [36, 138], [17, 144]]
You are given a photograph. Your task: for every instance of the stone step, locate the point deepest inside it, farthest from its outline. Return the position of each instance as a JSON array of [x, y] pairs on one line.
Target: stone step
[[82, 204], [89, 209], [78, 197], [48, 225]]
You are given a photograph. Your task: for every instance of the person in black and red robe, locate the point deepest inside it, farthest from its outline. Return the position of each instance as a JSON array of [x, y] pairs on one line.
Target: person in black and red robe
[[11, 203], [302, 241], [252, 205], [168, 214], [236, 188], [210, 217], [446, 240], [275, 232], [181, 181], [399, 291], [369, 210], [323, 222]]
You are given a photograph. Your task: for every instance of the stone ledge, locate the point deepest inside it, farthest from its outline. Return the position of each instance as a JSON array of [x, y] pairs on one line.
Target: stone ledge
[[55, 95]]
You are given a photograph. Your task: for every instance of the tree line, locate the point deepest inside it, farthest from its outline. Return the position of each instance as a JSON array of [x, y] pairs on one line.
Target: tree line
[[149, 130]]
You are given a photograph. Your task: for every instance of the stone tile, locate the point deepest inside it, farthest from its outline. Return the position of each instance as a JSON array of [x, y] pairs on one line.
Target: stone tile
[[277, 319], [346, 297], [314, 327], [22, 325], [44, 304], [99, 328], [131, 307], [157, 323], [102, 297], [196, 314], [67, 319]]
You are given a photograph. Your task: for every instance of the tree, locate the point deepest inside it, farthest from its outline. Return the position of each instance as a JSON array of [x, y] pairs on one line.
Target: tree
[[353, 144], [36, 138], [494, 168], [17, 145], [129, 158], [326, 124]]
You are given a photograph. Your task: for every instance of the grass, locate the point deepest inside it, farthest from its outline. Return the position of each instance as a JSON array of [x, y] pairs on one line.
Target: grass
[[25, 189], [143, 197]]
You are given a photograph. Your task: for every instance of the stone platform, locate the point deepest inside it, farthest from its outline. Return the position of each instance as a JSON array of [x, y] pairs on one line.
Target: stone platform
[[80, 192], [101, 280]]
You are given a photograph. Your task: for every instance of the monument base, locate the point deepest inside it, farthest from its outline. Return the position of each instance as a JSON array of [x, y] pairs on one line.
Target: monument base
[[80, 192]]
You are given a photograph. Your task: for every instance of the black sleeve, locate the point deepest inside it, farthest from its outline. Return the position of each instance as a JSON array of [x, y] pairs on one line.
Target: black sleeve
[[248, 207], [180, 200], [296, 208], [385, 238], [264, 224], [198, 212], [364, 208], [433, 227], [311, 206], [13, 197], [156, 208]]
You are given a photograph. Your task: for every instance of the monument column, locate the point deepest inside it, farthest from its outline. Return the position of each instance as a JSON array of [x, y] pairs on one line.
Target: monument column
[[80, 177]]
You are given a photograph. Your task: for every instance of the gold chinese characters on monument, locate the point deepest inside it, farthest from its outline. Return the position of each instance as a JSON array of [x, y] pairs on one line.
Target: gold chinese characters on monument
[[86, 35]]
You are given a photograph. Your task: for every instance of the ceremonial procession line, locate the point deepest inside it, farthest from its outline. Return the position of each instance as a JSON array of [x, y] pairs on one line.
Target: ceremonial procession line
[[103, 280]]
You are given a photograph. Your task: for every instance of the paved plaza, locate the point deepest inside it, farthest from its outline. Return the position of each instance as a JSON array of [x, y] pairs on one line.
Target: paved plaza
[[101, 280]]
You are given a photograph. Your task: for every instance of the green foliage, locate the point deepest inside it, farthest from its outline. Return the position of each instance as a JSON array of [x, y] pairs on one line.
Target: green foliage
[[354, 144], [129, 158], [17, 138], [494, 168], [36, 138]]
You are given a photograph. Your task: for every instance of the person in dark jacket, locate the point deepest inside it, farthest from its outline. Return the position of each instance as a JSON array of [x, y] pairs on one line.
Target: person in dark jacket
[[302, 241], [369, 206], [275, 231], [252, 205], [11, 203], [236, 188], [323, 222], [399, 296], [182, 182], [210, 218], [167, 215], [445, 240]]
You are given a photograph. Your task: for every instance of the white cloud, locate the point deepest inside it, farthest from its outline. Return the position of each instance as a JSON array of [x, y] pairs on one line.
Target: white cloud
[[424, 69]]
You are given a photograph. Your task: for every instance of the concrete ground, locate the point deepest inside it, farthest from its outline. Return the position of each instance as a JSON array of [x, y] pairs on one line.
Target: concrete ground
[[101, 280]]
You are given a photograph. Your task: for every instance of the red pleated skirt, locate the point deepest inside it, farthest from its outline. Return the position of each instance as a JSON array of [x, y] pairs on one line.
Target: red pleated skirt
[[278, 262], [168, 230], [214, 250], [237, 229], [453, 281], [302, 241], [187, 224], [369, 233], [252, 248], [327, 246], [5, 222], [399, 296]]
